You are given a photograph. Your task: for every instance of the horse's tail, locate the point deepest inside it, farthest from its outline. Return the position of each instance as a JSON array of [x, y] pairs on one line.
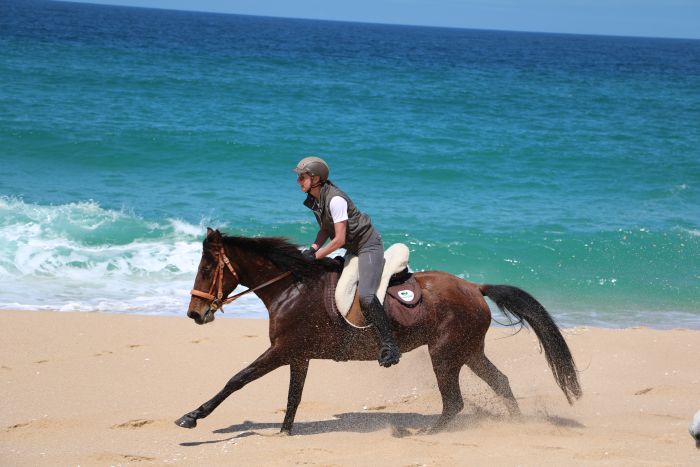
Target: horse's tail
[[516, 302]]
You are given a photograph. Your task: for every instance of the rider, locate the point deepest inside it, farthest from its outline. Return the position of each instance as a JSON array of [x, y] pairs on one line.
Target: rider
[[347, 227]]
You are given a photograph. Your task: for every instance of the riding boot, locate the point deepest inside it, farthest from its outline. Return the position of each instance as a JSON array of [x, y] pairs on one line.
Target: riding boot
[[389, 353]]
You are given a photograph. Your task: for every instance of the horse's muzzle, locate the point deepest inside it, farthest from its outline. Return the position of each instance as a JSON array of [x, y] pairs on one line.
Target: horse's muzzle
[[208, 316]]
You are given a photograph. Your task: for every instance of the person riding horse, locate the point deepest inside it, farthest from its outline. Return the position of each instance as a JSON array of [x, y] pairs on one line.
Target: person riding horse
[[340, 220]]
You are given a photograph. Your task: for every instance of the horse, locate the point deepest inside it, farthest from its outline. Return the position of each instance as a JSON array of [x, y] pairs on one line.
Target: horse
[[292, 288]]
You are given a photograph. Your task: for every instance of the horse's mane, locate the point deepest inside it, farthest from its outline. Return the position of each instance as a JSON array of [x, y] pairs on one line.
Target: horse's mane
[[284, 254]]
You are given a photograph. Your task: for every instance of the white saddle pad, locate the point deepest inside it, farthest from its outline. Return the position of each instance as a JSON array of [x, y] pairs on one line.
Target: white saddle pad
[[395, 260]]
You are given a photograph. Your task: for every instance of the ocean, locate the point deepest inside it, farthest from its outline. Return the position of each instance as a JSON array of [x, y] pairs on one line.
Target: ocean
[[567, 165]]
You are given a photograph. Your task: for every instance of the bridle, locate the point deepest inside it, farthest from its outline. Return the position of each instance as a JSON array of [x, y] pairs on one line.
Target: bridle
[[218, 283]]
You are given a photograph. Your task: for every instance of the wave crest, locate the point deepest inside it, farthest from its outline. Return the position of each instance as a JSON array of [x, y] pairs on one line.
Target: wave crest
[[80, 256]]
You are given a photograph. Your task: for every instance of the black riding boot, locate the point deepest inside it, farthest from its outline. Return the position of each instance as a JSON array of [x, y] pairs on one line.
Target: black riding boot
[[389, 353]]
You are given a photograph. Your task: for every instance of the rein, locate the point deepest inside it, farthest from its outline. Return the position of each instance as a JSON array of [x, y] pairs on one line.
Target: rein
[[217, 283]]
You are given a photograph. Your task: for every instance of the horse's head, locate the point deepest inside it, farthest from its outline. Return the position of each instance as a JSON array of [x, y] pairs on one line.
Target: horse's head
[[215, 279]]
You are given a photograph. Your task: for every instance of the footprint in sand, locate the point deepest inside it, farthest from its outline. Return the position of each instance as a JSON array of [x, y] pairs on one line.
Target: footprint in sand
[[41, 361], [131, 424], [104, 352], [133, 346], [5, 367], [19, 425], [112, 458], [400, 432], [376, 407], [643, 391], [134, 458], [41, 423], [310, 450]]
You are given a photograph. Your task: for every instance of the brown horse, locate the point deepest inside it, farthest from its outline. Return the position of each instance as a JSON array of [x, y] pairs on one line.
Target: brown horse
[[292, 288]]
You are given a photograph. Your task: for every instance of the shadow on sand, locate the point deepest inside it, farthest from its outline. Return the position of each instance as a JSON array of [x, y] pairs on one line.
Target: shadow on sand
[[401, 424]]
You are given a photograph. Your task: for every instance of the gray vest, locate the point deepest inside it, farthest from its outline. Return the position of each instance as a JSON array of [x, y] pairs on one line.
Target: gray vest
[[359, 224]]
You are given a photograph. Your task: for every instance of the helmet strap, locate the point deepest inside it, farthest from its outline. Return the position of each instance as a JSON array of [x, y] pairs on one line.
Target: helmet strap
[[320, 182]]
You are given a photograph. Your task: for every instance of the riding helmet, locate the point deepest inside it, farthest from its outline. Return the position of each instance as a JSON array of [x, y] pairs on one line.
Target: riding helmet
[[313, 166]]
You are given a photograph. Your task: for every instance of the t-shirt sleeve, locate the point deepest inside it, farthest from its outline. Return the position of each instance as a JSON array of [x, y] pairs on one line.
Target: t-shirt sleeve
[[339, 209]]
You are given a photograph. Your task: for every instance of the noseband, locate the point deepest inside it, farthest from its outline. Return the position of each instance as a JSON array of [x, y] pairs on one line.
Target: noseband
[[218, 283]]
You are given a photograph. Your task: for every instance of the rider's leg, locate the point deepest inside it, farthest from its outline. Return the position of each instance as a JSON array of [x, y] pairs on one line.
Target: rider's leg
[[371, 262]]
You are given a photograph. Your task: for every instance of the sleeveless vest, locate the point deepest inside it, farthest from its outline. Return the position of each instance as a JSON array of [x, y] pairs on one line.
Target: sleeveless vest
[[359, 224]]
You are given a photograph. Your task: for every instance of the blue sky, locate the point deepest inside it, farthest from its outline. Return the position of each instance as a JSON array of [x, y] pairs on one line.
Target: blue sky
[[653, 18]]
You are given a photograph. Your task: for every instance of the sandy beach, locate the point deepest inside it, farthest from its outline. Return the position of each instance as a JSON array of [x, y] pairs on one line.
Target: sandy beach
[[104, 389]]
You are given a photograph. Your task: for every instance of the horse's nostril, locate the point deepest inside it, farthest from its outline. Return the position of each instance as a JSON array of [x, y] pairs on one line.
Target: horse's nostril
[[192, 314]]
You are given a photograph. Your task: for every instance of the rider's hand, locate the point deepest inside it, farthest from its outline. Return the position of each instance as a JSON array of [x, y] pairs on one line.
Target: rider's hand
[[309, 253]]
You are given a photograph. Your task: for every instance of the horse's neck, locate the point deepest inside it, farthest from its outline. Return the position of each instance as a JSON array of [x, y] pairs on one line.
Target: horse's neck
[[254, 270]]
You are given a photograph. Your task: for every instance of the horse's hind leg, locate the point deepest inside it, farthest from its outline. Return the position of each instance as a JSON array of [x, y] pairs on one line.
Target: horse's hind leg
[[487, 371], [452, 402], [447, 365]]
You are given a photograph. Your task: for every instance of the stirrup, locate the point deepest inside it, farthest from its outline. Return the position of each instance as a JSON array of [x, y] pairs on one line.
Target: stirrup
[[389, 354]]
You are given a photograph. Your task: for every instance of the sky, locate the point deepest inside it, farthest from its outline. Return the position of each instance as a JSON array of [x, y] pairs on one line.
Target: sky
[[650, 18]]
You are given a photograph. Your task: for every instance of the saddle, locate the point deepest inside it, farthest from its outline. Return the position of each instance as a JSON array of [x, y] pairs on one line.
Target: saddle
[[398, 290]]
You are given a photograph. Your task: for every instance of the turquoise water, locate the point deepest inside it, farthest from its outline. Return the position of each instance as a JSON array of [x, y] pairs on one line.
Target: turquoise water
[[567, 165]]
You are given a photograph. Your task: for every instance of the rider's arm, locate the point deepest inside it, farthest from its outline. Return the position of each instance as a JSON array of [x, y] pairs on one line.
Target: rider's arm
[[339, 212], [338, 241], [321, 238]]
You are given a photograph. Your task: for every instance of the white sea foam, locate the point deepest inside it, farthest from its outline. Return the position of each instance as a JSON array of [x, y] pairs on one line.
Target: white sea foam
[[183, 228], [81, 257]]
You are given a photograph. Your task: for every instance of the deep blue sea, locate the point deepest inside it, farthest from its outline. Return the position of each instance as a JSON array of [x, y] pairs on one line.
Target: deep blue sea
[[567, 165]]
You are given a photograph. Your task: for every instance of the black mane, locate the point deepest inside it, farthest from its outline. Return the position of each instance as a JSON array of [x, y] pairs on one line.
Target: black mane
[[284, 254]]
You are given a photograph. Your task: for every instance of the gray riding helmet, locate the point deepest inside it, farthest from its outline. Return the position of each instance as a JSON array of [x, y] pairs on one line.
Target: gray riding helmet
[[313, 166]]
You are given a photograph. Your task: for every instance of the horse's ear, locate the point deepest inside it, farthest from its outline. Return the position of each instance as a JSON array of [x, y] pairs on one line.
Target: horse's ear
[[213, 235]]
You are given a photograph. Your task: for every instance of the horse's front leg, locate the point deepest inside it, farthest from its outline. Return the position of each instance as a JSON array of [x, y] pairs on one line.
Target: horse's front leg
[[297, 376], [265, 363]]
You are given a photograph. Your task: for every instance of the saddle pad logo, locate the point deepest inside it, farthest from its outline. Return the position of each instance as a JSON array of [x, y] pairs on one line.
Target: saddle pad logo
[[405, 295]]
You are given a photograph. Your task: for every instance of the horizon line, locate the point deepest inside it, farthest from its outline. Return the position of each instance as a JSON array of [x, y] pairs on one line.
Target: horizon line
[[377, 23]]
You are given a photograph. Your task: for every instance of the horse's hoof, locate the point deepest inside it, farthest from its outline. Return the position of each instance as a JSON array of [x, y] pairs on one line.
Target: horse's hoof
[[186, 422], [389, 355]]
